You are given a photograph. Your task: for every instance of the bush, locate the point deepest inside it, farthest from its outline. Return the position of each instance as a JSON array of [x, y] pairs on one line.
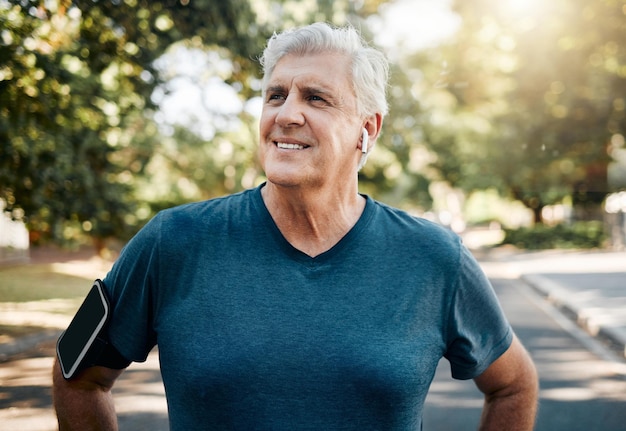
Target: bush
[[577, 235]]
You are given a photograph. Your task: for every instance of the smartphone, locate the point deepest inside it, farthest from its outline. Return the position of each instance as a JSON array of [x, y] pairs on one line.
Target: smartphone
[[78, 344]]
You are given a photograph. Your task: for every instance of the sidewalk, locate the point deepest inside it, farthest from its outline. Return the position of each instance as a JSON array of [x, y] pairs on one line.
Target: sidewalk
[[589, 287]]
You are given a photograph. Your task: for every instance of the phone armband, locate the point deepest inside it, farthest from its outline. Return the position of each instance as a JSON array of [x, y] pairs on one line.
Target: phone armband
[[83, 342]]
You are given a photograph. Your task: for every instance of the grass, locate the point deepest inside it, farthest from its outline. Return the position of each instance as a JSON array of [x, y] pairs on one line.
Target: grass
[[31, 283], [36, 282]]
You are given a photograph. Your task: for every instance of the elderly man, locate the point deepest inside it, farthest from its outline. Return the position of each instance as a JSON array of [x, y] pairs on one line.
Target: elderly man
[[302, 304]]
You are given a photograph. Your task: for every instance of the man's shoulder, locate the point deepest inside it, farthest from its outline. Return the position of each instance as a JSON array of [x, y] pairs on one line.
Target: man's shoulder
[[214, 207], [408, 223], [417, 238]]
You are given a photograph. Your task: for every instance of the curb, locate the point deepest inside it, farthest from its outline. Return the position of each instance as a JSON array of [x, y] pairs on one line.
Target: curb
[[558, 296], [25, 343]]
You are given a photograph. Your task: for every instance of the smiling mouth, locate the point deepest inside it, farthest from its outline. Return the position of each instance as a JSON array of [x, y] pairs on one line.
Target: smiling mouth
[[285, 146]]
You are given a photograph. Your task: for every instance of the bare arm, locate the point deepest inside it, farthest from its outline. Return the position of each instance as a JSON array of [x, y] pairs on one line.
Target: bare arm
[[511, 390], [85, 402]]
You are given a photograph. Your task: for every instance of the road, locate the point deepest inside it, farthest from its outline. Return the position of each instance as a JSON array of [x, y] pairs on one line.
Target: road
[[579, 389]]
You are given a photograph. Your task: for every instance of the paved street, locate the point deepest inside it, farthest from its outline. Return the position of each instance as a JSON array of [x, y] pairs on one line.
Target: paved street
[[579, 390], [583, 383]]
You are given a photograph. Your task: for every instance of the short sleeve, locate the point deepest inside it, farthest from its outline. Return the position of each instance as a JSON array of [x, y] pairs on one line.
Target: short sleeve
[[478, 331], [130, 285]]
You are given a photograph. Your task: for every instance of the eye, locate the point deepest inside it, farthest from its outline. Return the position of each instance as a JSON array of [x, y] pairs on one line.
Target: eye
[[275, 99], [275, 96], [315, 98]]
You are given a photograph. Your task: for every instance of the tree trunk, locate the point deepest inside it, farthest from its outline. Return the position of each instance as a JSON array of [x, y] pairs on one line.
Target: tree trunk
[[100, 245], [537, 214]]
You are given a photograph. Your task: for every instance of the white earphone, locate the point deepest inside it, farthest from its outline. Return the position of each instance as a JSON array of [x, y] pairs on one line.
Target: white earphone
[[365, 139]]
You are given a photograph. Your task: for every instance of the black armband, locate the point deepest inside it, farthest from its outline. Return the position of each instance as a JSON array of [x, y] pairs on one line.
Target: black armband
[[85, 343], [110, 357]]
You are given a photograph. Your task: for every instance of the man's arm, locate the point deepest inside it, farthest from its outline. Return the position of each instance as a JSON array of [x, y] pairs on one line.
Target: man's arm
[[511, 391], [85, 401]]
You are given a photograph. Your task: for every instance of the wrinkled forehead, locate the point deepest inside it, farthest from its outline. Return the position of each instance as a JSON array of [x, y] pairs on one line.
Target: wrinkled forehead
[[325, 69]]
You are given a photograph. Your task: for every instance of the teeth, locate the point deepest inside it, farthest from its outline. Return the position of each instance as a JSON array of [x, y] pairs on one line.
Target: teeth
[[290, 146]]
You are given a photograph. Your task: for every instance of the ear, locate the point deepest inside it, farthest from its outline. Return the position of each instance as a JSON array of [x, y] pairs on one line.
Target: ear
[[373, 125]]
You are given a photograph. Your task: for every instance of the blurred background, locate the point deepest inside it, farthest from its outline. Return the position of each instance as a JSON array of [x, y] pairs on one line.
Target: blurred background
[[507, 116], [507, 124]]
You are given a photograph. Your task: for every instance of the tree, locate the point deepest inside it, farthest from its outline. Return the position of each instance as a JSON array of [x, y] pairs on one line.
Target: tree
[[537, 94], [396, 171], [75, 86], [77, 119], [54, 119]]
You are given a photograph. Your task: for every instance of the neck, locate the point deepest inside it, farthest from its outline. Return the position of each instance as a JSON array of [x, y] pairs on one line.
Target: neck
[[312, 222]]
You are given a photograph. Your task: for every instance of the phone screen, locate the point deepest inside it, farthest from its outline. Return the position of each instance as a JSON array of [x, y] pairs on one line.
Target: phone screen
[[75, 342]]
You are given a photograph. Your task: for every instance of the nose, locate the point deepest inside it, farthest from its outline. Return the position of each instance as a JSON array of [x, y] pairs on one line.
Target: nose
[[290, 113]]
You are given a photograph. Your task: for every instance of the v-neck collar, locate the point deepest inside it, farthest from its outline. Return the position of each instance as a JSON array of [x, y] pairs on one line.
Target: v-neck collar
[[299, 256]]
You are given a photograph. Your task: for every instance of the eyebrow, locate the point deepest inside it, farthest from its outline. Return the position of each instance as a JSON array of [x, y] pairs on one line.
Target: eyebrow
[[275, 88], [307, 90]]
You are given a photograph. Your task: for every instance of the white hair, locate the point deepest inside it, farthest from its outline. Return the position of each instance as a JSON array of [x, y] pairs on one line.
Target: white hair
[[370, 69]]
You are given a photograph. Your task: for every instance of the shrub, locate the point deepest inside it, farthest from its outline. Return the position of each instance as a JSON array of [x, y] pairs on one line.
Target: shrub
[[588, 234]]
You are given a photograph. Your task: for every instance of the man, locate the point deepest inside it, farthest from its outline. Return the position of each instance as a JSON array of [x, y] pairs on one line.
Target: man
[[302, 304]]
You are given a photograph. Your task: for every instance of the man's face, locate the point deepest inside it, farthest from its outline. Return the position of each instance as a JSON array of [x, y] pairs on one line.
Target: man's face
[[310, 127]]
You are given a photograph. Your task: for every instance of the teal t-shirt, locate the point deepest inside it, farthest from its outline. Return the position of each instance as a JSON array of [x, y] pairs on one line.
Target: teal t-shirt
[[256, 335]]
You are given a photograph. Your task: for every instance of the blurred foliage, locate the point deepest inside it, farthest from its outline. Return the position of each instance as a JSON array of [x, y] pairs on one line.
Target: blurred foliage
[[580, 235], [396, 171], [529, 96], [81, 149], [54, 118]]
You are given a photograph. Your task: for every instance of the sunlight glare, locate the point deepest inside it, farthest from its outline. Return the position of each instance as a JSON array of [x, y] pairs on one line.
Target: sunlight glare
[[413, 24], [524, 6]]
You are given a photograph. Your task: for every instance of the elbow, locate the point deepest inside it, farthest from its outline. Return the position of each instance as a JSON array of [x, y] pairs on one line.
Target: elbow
[[524, 386], [96, 378]]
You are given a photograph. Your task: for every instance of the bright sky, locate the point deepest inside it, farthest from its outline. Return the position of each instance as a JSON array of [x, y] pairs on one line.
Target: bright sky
[[413, 24]]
